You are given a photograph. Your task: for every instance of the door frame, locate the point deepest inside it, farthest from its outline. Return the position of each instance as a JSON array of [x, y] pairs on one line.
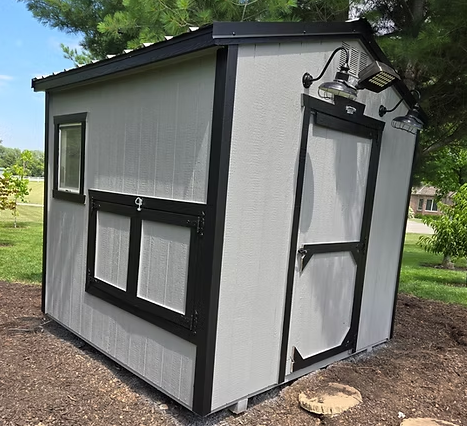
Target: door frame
[[348, 117]]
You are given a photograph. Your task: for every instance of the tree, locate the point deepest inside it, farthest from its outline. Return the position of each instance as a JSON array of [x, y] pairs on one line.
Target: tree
[[110, 26], [425, 39], [445, 169], [14, 185], [450, 229], [81, 17], [6, 201]]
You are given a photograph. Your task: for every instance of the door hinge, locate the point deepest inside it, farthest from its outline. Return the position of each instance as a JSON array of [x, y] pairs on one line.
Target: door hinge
[[200, 225], [361, 247], [194, 321]]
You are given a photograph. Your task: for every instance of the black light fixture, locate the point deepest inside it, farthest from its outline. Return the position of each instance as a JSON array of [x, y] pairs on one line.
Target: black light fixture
[[340, 86], [411, 122], [377, 77]]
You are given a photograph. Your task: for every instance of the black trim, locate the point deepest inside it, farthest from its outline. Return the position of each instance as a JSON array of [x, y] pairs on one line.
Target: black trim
[[331, 116], [293, 243], [208, 295], [46, 202], [308, 250], [75, 197], [182, 325], [223, 34], [180, 45], [182, 207], [69, 196], [252, 32], [299, 362], [401, 254], [323, 107]]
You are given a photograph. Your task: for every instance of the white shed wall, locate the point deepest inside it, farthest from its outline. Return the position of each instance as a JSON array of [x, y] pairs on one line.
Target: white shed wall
[[387, 225], [266, 135], [147, 135]]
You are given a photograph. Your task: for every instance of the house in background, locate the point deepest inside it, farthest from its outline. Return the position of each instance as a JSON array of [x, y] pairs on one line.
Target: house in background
[[423, 200]]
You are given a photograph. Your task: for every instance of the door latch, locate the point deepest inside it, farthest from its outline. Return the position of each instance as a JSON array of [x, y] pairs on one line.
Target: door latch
[[139, 203], [302, 252]]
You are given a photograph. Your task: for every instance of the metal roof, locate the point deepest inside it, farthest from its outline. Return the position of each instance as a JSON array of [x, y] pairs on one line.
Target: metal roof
[[217, 34]]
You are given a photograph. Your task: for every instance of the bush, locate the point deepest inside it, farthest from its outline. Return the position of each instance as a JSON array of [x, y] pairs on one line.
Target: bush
[[410, 214], [427, 216], [450, 229]]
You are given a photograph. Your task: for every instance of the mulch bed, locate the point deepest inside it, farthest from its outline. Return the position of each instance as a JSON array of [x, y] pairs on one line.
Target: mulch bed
[[50, 377]]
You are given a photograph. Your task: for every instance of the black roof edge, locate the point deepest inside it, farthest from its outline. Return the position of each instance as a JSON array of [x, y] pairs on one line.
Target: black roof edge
[[180, 45], [222, 34]]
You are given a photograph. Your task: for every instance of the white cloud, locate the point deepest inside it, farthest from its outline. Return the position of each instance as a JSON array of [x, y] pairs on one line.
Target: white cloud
[[4, 77]]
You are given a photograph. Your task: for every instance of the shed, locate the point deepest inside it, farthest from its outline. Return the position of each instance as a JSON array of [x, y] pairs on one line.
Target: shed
[[214, 226]]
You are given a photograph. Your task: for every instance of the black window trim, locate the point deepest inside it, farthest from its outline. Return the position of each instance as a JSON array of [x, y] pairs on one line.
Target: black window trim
[[80, 118], [155, 210]]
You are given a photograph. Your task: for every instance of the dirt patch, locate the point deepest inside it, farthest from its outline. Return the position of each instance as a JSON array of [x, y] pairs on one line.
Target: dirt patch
[[50, 377]]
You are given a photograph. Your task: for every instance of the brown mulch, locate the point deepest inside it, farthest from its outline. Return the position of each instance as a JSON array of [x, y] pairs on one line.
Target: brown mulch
[[50, 377]]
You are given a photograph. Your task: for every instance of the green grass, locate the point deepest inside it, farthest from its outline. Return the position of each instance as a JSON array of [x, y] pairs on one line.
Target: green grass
[[26, 214], [427, 282], [36, 193], [21, 251]]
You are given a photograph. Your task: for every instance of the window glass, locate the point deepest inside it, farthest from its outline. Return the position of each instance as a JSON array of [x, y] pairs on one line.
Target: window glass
[[420, 204], [435, 206], [429, 204], [69, 157]]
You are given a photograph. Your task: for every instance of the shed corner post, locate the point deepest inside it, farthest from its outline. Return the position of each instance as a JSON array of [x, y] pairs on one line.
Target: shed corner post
[[409, 192], [45, 208], [208, 292]]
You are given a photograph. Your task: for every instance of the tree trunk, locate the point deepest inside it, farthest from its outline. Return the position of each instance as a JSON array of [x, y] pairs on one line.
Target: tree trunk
[[447, 264]]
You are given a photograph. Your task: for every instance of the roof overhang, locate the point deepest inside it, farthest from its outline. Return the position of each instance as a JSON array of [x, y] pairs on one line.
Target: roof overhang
[[216, 35]]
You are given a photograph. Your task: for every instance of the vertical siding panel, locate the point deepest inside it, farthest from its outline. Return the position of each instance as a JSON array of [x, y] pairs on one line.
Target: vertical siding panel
[[135, 143], [150, 133], [163, 270], [264, 154]]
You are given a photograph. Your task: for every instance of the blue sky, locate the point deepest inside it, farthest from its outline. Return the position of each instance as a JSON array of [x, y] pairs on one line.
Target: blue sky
[[27, 49]]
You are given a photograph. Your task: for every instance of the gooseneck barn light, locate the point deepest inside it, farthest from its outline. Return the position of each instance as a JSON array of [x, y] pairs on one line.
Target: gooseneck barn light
[[411, 122], [375, 77], [340, 86]]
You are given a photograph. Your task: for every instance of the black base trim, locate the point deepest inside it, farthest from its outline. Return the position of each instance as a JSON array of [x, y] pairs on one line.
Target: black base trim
[[298, 362]]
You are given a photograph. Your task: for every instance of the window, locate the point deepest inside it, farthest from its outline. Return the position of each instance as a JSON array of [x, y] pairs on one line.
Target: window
[[420, 204], [146, 261], [431, 206], [69, 142]]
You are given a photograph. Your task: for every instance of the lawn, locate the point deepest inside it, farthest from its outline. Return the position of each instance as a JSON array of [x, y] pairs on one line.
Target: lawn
[[21, 248], [21, 257], [427, 282], [36, 193]]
